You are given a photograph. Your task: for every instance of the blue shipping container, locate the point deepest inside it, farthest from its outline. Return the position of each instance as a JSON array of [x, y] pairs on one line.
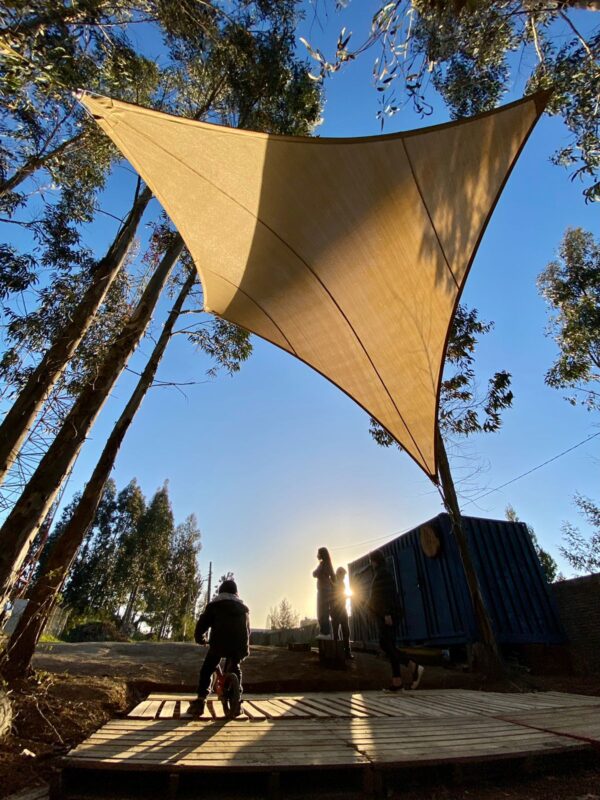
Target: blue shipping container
[[431, 583]]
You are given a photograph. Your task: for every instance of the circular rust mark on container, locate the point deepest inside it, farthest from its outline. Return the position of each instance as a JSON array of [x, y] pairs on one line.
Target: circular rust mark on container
[[430, 541]]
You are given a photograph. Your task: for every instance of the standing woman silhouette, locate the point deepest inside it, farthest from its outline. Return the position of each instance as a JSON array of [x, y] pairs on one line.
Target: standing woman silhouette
[[325, 580]]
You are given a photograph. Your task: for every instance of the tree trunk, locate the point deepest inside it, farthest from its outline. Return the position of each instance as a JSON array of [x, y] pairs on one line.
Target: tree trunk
[[16, 424], [486, 650], [43, 595], [35, 162], [5, 714], [129, 609], [28, 514]]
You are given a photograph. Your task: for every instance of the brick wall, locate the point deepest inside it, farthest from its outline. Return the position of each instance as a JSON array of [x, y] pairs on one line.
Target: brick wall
[[579, 606]]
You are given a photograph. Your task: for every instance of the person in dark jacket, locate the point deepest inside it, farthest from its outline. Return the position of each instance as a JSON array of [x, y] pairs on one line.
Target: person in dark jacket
[[384, 605], [228, 620], [339, 613], [325, 580]]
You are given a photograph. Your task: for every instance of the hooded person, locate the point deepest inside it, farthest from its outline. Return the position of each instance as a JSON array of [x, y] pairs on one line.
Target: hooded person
[[228, 620]]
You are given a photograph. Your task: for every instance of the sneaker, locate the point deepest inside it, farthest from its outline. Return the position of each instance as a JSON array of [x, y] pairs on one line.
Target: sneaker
[[393, 689], [196, 707], [417, 675]]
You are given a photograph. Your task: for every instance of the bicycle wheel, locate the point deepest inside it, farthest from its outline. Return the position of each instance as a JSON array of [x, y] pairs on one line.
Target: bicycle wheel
[[231, 696]]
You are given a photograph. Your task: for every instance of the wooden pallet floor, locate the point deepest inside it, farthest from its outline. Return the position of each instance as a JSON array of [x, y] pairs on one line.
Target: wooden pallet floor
[[361, 730], [361, 705]]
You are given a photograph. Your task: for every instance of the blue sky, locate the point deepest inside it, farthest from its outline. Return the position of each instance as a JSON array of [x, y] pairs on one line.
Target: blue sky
[[276, 462]]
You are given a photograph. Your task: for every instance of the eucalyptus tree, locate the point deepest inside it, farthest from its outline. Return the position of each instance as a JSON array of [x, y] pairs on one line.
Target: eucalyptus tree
[[548, 564], [571, 287], [23, 522], [582, 553], [285, 103], [472, 52], [234, 65], [43, 128], [182, 582]]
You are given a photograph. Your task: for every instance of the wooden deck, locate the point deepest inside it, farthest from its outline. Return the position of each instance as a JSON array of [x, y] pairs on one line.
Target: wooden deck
[[360, 705], [360, 731]]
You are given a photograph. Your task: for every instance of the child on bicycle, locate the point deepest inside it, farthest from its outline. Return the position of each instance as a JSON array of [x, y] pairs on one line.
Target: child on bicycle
[[229, 622]]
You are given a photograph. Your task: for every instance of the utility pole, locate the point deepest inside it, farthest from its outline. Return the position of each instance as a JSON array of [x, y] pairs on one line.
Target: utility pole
[[208, 591]]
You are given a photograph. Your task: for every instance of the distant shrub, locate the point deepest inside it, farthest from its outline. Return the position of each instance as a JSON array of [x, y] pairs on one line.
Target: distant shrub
[[95, 631]]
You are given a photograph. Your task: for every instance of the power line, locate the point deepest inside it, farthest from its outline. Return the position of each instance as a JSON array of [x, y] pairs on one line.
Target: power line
[[533, 469], [392, 535], [395, 534]]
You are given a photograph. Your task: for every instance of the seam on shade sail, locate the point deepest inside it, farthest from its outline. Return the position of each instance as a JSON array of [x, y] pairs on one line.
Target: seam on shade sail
[[540, 100], [421, 464], [302, 261], [260, 308], [426, 207], [125, 150]]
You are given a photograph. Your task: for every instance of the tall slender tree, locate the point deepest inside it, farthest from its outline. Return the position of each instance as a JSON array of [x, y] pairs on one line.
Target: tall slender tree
[[17, 423], [99, 571], [23, 522], [283, 100]]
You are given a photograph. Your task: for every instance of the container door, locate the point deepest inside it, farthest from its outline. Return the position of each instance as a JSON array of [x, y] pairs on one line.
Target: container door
[[412, 598]]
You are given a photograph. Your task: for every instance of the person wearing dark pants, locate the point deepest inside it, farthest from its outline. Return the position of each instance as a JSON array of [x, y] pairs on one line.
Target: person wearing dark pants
[[228, 620], [325, 579], [339, 613], [384, 605]]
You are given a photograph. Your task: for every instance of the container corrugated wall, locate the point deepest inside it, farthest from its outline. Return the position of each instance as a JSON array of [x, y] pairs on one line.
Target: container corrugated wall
[[434, 592]]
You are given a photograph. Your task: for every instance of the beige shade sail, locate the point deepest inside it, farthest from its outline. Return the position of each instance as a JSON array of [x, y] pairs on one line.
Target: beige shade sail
[[350, 254]]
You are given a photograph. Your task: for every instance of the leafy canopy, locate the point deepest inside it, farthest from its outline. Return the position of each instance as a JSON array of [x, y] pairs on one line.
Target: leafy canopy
[[471, 52], [571, 287], [581, 553], [549, 565]]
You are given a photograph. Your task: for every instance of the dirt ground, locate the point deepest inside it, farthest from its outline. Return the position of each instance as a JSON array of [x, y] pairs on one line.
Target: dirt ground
[[78, 687], [51, 714], [176, 664]]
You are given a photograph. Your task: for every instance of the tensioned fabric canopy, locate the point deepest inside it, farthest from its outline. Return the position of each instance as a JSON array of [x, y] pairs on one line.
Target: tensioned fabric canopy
[[350, 254]]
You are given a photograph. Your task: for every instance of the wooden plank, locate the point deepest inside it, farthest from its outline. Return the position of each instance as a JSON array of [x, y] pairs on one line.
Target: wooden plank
[[298, 703], [168, 710], [147, 709], [321, 705], [216, 709], [581, 723], [391, 706], [252, 713], [351, 709], [286, 709], [337, 729], [375, 708], [271, 710], [183, 708], [189, 696]]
